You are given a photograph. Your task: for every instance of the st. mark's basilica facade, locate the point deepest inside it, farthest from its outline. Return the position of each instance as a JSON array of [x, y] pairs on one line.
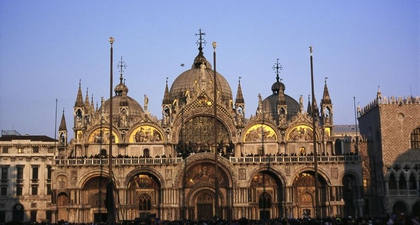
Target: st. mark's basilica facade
[[205, 159], [263, 166]]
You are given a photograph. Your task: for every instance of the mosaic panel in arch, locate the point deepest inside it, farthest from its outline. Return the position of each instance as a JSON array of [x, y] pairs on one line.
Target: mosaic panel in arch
[[101, 136], [259, 132], [203, 174], [145, 134], [300, 133]]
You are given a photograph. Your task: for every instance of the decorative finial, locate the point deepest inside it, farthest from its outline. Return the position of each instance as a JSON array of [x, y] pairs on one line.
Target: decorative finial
[[167, 80], [310, 49], [122, 66], [111, 40], [325, 80], [239, 80], [277, 68], [80, 83], [201, 41]]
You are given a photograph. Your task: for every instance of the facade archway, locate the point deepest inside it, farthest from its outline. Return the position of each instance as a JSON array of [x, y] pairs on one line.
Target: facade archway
[[62, 203], [142, 195], [204, 203], [304, 195], [93, 193], [350, 195], [399, 208], [266, 192]]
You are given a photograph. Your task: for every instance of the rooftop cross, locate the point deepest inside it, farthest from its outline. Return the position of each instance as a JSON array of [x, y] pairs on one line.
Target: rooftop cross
[[277, 68], [122, 66], [200, 41]]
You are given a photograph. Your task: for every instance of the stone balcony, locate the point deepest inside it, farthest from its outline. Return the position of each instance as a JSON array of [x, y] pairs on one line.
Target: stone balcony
[[275, 159]]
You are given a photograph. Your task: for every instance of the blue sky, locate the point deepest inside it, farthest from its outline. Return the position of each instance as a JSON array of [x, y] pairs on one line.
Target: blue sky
[[47, 46]]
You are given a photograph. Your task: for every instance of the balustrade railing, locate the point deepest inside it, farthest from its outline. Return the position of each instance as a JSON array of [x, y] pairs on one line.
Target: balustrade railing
[[245, 159], [117, 161], [294, 159]]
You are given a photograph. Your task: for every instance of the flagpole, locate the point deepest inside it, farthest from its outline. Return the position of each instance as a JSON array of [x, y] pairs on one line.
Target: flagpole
[[110, 186], [314, 115]]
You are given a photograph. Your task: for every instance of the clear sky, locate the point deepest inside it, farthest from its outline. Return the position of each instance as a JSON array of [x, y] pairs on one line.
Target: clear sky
[[47, 46]]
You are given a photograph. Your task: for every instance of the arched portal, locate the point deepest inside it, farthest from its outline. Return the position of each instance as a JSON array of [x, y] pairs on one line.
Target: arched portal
[[399, 208], [267, 194], [62, 203], [350, 195], [198, 192], [143, 198], [204, 205], [93, 193], [304, 194]]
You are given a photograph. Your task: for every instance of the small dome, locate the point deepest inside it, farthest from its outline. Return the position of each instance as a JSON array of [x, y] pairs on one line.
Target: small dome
[[269, 105], [276, 87], [135, 109], [121, 89], [121, 99]]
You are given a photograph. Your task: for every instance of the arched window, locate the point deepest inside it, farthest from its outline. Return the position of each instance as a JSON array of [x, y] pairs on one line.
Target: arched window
[[402, 182], [145, 202], [264, 201], [415, 138], [392, 183], [146, 153]]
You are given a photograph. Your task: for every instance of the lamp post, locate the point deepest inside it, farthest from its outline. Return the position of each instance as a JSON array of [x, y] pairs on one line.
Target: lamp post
[[314, 115], [216, 150]]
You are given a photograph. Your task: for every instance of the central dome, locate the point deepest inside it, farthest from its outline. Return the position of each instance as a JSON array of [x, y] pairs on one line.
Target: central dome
[[200, 79]]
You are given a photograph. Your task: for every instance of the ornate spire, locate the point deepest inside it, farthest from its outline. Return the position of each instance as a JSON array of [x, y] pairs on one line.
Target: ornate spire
[[166, 99], [87, 105], [79, 98], [326, 96], [239, 95], [92, 104], [63, 126], [309, 109]]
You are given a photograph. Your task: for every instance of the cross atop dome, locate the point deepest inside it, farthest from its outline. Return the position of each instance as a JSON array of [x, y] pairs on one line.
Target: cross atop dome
[[121, 65], [277, 68], [200, 41]]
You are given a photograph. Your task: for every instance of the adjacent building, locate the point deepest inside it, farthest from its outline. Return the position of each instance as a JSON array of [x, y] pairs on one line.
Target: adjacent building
[[391, 129], [26, 177]]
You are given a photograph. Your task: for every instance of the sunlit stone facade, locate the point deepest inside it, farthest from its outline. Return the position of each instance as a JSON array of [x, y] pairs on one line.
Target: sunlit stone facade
[[166, 167], [26, 172]]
